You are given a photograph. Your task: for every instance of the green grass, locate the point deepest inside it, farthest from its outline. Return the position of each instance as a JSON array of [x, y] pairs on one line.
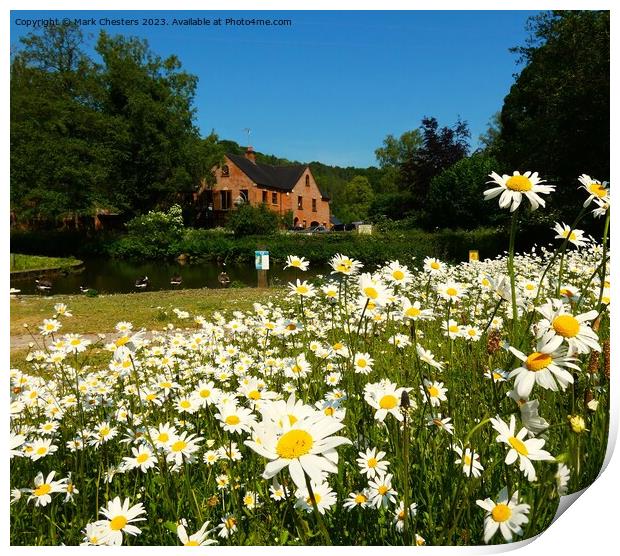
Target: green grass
[[150, 310], [21, 263]]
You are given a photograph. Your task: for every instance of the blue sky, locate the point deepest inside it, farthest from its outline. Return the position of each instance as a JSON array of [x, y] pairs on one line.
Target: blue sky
[[332, 85]]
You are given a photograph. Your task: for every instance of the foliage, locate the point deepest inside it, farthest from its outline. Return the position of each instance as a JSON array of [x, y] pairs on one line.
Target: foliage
[[455, 195], [152, 235], [555, 118], [249, 220], [117, 135], [360, 196], [21, 262]]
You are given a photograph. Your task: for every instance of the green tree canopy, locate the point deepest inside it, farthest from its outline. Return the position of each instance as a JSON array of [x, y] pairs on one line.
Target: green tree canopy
[[555, 119]]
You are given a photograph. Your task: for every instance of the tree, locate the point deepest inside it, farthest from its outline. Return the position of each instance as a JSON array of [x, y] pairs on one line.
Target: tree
[[393, 155], [359, 195], [555, 119], [455, 198], [441, 147]]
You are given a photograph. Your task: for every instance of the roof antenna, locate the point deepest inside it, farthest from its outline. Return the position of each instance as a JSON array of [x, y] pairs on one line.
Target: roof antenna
[[248, 132]]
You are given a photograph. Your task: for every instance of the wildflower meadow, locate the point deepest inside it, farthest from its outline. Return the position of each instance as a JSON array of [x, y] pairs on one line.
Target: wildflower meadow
[[420, 402]]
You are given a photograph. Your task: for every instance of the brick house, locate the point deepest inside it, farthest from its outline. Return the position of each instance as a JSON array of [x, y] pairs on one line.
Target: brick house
[[282, 188]]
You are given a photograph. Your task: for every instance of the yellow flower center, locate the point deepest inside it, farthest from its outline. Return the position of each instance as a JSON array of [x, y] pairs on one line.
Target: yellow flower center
[[518, 183], [338, 346], [302, 289], [360, 499], [382, 490], [254, 395], [371, 292], [294, 444], [42, 490], [501, 512], [317, 499], [42, 450], [185, 404], [329, 411], [231, 522], [538, 361], [412, 312], [398, 275], [142, 458], [597, 189], [518, 445], [361, 363], [232, 420], [121, 341], [178, 445], [433, 391], [435, 265], [104, 432], [388, 402], [566, 325], [191, 543], [453, 328], [118, 523], [451, 292], [205, 393], [467, 460], [372, 463]]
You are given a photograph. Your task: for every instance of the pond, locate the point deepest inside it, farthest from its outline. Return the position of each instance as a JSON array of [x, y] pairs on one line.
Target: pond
[[118, 276]]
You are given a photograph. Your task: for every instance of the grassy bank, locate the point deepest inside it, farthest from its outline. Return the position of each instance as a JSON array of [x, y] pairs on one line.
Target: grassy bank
[[21, 263], [151, 310]]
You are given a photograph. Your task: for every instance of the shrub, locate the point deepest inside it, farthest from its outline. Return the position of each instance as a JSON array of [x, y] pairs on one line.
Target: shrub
[[153, 235], [249, 220]]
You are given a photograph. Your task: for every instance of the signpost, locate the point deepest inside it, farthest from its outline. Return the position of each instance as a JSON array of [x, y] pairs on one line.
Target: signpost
[[473, 256], [261, 261]]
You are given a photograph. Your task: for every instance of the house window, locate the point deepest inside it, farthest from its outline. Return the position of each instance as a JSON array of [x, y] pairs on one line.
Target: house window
[[225, 200], [245, 195], [274, 198], [313, 205], [264, 197], [307, 181], [300, 202], [225, 171]]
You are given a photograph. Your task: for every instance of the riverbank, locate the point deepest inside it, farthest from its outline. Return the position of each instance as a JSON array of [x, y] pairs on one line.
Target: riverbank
[[24, 266]]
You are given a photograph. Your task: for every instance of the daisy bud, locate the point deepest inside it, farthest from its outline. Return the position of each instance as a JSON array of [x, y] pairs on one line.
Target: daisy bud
[[577, 423], [405, 403], [594, 362], [493, 341]]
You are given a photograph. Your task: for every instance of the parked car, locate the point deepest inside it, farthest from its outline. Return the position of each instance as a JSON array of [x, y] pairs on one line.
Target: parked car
[[316, 230]]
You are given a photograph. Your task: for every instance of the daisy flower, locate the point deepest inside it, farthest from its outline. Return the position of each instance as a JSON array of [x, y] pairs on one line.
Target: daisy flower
[[372, 289], [297, 262], [397, 274], [119, 518], [62, 309], [385, 397], [199, 538], [49, 326], [469, 460], [414, 311], [575, 237], [513, 188], [234, 418], [562, 476], [356, 500], [344, 265], [41, 447], [371, 463], [45, 487], [304, 447], [434, 392], [433, 266], [543, 367], [399, 515], [526, 450], [506, 514], [303, 289], [451, 291], [380, 492], [441, 423], [573, 329], [142, 459], [363, 363], [228, 526], [597, 191], [428, 358], [324, 497], [182, 446]]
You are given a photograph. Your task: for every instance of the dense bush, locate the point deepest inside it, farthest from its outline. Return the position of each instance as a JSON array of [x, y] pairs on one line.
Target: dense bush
[[248, 220], [152, 235]]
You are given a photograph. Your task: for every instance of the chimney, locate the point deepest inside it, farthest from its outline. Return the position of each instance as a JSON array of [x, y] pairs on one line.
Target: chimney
[[250, 154]]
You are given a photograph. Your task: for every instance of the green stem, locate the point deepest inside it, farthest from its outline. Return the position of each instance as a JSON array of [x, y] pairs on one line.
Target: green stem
[[511, 271], [317, 515]]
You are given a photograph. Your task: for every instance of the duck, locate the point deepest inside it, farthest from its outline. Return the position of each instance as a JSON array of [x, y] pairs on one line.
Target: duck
[[176, 280], [88, 291], [43, 285], [142, 282], [223, 279]]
